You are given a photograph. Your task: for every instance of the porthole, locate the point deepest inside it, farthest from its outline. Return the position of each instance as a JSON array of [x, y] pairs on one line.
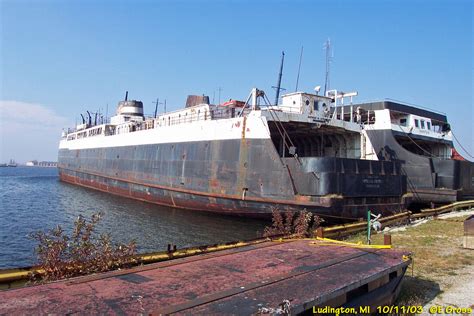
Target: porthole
[[307, 102]]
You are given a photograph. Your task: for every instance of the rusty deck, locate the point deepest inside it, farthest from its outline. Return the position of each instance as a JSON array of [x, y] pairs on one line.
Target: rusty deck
[[235, 281]]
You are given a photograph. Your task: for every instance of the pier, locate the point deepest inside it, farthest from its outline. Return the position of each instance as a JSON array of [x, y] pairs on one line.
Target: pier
[[293, 275]]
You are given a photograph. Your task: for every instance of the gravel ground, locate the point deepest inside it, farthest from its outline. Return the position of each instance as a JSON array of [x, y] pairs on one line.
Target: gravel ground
[[457, 291], [443, 271]]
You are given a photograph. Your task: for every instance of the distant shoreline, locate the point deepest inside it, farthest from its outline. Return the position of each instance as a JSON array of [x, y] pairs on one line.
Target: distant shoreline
[[24, 165], [38, 166]]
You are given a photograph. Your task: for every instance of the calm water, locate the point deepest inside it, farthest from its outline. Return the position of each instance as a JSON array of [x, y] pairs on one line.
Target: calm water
[[34, 199]]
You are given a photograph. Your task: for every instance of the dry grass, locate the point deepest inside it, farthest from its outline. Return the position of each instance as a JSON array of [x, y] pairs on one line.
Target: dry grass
[[437, 254]]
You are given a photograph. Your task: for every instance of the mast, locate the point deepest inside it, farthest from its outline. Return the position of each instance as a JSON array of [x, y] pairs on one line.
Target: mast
[[327, 46], [278, 87], [156, 106], [299, 69]]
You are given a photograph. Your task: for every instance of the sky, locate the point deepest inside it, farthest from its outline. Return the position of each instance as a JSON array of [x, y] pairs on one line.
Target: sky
[[61, 58]]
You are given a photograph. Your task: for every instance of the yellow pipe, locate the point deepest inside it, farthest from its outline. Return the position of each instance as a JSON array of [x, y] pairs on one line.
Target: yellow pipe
[[468, 203], [9, 276], [350, 244], [332, 242], [364, 223]]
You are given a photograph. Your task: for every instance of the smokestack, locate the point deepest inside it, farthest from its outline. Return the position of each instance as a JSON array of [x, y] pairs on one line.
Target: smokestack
[[126, 95]]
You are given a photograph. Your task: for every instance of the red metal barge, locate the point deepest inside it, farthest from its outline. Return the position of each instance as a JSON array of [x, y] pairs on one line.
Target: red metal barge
[[295, 275]]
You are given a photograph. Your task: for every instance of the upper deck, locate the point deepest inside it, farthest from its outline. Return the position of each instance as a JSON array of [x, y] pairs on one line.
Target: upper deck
[[404, 120], [298, 107]]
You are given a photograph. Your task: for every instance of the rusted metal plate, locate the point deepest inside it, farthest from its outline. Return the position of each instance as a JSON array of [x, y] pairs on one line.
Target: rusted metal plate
[[225, 282], [468, 241], [469, 226], [332, 208]]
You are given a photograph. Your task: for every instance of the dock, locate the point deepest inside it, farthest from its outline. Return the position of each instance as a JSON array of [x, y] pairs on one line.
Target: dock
[[293, 275]]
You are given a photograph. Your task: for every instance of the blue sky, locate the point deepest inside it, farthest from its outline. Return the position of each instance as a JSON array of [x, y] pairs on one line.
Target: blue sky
[[59, 58]]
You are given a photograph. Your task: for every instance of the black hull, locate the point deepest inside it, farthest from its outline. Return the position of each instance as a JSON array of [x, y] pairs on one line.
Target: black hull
[[238, 177], [430, 180]]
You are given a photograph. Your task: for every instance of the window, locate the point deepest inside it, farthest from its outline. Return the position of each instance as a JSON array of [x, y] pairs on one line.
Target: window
[[417, 123], [428, 124], [422, 124], [315, 105], [403, 122]]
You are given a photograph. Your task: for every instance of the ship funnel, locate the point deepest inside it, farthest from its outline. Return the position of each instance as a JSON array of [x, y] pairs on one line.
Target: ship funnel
[[132, 107], [126, 95], [194, 100]]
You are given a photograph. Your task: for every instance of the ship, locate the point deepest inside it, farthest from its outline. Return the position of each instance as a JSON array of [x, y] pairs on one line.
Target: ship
[[244, 158], [422, 140], [12, 163]]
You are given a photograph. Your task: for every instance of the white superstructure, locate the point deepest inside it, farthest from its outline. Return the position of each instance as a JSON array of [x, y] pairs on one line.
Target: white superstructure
[[204, 122]]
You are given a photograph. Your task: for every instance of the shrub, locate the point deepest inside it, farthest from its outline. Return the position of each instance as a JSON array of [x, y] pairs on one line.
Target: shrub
[[298, 224], [83, 252]]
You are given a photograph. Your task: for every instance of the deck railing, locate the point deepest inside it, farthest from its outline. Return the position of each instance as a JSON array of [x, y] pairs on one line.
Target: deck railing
[[167, 119]]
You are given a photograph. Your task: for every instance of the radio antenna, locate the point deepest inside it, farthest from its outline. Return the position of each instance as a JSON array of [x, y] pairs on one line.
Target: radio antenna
[[219, 90]]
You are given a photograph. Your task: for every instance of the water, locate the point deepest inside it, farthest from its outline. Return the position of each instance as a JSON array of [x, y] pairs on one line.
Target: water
[[33, 199]]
